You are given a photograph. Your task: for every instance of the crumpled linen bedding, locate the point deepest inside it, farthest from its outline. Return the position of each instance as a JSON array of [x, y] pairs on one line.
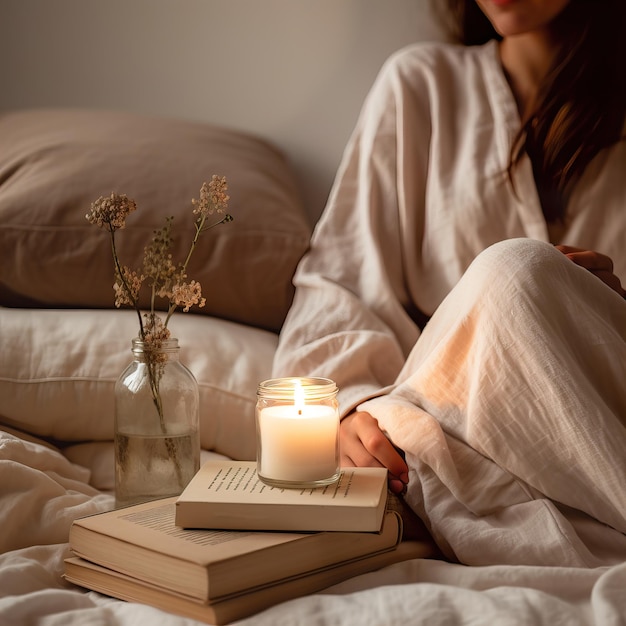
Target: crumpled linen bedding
[[514, 426], [42, 491]]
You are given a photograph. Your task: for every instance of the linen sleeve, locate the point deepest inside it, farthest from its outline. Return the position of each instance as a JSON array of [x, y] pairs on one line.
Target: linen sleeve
[[351, 318]]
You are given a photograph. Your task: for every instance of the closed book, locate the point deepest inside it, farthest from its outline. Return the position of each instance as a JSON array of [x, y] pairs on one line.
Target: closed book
[[226, 610], [143, 542], [230, 495]]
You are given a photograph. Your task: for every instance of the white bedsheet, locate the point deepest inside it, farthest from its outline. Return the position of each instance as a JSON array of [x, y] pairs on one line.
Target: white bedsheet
[[41, 491]]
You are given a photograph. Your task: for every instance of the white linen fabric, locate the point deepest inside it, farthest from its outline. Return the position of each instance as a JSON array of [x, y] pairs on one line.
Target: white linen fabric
[[512, 412], [513, 408], [421, 191]]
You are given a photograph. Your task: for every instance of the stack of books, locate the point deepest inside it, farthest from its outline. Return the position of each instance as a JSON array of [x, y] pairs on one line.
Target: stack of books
[[230, 546]]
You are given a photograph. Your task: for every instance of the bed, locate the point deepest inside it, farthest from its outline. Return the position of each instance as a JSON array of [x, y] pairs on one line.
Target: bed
[[63, 344]]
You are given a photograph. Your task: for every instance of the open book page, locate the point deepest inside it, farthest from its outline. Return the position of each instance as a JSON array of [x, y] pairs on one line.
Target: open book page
[[227, 481], [151, 525]]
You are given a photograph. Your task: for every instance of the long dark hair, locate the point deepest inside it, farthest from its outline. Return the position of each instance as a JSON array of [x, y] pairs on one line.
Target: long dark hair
[[580, 107]]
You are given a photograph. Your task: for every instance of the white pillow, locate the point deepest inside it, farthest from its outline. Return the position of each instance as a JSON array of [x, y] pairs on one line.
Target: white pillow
[[58, 370]]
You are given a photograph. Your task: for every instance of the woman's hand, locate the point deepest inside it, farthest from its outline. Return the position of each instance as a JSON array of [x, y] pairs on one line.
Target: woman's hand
[[598, 264], [363, 444]]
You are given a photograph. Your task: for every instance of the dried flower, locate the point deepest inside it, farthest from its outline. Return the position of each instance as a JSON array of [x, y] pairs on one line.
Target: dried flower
[[158, 264], [127, 286], [111, 212], [213, 198], [164, 278], [155, 333], [161, 275], [188, 294]]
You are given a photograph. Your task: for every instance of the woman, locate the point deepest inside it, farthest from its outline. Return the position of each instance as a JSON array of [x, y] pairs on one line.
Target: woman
[[510, 404]]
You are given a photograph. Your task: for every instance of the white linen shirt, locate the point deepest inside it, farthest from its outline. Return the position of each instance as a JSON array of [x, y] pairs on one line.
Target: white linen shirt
[[421, 190]]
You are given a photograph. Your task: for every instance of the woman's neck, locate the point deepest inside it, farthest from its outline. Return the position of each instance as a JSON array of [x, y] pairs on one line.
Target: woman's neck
[[526, 60]]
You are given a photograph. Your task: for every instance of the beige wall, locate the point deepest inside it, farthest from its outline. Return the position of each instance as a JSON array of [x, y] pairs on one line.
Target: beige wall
[[293, 71]]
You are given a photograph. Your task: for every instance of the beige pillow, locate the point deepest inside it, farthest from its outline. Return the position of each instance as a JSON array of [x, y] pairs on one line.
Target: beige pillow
[[55, 163], [58, 370]]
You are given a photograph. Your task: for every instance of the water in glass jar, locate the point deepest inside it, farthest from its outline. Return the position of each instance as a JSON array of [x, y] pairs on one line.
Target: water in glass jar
[[153, 467]]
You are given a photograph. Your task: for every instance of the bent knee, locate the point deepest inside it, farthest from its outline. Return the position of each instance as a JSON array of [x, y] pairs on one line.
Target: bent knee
[[518, 265], [520, 253]]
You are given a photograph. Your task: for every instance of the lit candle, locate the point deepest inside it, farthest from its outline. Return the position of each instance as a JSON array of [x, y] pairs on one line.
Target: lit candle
[[297, 428]]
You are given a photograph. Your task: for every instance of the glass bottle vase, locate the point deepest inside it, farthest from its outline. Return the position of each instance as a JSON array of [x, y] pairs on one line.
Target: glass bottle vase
[[157, 439]]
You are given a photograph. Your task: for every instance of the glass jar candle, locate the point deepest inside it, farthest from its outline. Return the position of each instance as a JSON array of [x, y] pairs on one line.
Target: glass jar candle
[[297, 422]]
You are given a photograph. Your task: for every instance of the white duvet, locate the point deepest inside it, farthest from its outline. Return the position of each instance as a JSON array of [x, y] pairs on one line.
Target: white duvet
[[41, 493]]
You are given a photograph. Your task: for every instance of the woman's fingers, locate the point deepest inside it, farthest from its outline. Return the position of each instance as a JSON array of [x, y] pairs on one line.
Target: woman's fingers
[[363, 444], [597, 263], [589, 259]]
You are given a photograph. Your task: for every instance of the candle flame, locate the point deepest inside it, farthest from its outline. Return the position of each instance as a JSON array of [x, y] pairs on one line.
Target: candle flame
[[298, 397]]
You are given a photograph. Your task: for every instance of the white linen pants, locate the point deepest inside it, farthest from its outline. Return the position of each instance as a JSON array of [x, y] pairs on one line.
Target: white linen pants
[[511, 409]]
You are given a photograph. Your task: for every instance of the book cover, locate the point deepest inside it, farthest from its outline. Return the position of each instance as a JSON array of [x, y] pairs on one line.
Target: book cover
[[117, 585], [230, 495], [142, 541]]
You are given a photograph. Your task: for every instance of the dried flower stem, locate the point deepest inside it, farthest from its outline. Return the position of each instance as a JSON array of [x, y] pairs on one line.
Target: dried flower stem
[[200, 228], [120, 273]]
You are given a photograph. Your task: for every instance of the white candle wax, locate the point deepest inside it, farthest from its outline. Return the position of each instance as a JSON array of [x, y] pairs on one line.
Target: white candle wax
[[298, 444]]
